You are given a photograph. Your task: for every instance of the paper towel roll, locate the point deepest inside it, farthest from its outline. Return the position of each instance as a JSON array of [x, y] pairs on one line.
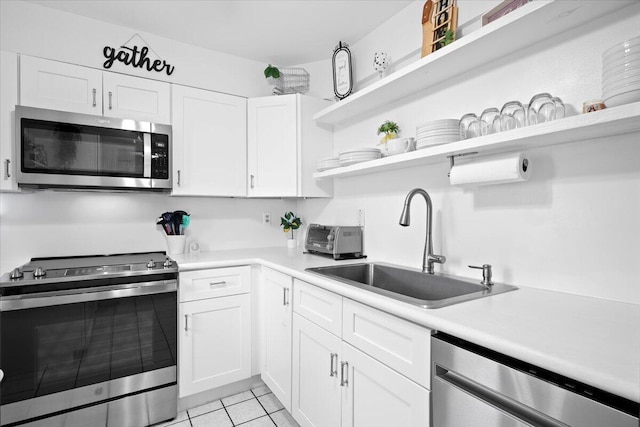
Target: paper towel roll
[[501, 169]]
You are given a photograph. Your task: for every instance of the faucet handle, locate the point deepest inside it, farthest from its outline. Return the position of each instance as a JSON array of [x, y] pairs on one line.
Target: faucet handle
[[486, 274]]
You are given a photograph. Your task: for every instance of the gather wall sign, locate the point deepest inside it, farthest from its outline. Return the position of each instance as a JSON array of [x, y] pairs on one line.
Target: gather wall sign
[[136, 57]]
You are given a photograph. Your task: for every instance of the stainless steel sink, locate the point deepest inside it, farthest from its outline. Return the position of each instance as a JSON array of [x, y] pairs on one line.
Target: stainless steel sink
[[412, 286]]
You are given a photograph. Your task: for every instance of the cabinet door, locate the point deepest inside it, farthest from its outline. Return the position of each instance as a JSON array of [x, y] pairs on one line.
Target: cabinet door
[[377, 396], [129, 97], [272, 146], [316, 396], [59, 86], [215, 343], [276, 371], [209, 143], [8, 101]]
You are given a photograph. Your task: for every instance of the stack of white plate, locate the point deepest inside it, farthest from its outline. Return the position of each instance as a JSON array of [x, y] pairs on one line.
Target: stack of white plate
[[437, 132], [327, 163], [358, 155], [621, 73]]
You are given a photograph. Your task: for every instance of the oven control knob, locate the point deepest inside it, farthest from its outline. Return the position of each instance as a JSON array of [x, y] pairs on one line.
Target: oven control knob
[[329, 246], [151, 264], [329, 237], [167, 263], [16, 274], [39, 272]]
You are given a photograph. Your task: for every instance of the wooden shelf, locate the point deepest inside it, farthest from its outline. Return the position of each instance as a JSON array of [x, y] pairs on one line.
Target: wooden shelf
[[607, 122], [534, 22]]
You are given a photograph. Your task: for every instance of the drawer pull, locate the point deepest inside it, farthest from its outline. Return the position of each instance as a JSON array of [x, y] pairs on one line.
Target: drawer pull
[[186, 319], [285, 296], [333, 372], [110, 100], [94, 97], [222, 282], [7, 175], [344, 379]]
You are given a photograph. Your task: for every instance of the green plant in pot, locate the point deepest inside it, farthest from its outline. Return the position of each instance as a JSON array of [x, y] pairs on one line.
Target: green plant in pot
[[389, 129], [271, 73], [290, 222]]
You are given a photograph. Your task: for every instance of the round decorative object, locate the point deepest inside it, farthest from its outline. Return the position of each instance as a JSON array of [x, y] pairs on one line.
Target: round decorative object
[[380, 62]]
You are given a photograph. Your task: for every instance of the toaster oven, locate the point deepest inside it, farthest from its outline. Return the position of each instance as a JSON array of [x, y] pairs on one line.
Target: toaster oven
[[341, 242]]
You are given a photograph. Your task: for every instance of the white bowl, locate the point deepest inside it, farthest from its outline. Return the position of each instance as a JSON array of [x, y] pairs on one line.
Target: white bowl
[[623, 98], [613, 64], [621, 47], [620, 81], [631, 52], [399, 146], [629, 69], [616, 89]]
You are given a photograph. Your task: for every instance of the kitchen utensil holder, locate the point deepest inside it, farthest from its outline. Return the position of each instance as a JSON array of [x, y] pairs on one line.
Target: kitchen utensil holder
[[175, 244]]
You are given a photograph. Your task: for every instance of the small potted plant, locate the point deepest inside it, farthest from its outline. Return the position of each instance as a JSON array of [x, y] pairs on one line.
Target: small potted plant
[[290, 222], [390, 130]]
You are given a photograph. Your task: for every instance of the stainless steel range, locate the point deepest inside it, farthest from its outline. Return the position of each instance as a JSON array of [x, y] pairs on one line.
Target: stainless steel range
[[89, 341]]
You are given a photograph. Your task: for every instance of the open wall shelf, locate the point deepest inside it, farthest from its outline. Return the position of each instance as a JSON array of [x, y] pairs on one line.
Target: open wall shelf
[[532, 23], [608, 122]]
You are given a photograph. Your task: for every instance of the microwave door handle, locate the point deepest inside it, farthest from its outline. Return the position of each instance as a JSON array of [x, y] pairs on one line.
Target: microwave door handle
[[147, 155]]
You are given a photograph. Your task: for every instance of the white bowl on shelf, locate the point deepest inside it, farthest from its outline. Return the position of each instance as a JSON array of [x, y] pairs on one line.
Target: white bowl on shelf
[[622, 98], [623, 47]]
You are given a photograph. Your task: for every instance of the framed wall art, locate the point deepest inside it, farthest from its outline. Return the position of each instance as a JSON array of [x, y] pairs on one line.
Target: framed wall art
[[342, 71]]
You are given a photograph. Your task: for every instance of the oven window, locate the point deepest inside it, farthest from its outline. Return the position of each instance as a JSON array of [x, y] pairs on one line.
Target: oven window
[[51, 349], [49, 147]]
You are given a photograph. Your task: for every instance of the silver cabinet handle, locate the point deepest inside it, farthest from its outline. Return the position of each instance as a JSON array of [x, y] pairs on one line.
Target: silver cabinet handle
[[110, 100], [333, 372], [251, 181], [222, 282], [178, 178], [94, 97], [186, 319], [344, 379], [285, 296], [7, 175]]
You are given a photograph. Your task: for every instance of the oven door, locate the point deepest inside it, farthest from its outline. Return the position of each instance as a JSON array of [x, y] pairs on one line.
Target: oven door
[[71, 349]]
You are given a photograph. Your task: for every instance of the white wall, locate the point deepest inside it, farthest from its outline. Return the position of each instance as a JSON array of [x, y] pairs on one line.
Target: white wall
[[48, 33], [572, 228]]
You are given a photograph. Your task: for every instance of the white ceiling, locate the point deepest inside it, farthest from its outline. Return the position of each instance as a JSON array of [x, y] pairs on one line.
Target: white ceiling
[[280, 32]]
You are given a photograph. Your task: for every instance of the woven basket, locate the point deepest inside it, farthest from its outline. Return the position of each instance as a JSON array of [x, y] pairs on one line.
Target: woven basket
[[292, 80]]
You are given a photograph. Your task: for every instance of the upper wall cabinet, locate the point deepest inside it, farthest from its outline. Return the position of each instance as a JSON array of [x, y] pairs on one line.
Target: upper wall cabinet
[[283, 146], [209, 143], [67, 87], [8, 101]]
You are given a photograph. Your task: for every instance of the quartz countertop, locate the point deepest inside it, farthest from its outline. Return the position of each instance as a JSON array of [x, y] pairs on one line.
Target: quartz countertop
[[591, 340]]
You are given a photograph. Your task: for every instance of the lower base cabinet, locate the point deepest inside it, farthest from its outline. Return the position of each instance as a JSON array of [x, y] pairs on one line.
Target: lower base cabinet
[[334, 384]]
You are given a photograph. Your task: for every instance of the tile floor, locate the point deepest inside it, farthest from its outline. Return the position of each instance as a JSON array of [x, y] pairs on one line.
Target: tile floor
[[257, 407]]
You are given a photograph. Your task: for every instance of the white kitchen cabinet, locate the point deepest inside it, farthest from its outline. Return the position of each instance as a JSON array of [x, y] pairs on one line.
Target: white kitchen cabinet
[[276, 369], [283, 146], [214, 329], [67, 87], [383, 382], [8, 101], [316, 391], [209, 143], [129, 97], [377, 396]]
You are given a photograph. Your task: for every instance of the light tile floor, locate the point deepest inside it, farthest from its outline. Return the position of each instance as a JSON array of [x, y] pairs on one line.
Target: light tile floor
[[252, 408]]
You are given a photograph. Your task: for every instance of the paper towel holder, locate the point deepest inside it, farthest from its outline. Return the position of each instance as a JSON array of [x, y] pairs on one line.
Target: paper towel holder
[[453, 156]]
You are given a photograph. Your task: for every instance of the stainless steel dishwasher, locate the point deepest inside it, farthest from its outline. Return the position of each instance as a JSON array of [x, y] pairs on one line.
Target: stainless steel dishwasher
[[475, 387]]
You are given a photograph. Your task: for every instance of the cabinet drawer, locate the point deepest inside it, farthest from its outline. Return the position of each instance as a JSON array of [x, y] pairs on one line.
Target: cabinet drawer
[[399, 344], [322, 307], [195, 285]]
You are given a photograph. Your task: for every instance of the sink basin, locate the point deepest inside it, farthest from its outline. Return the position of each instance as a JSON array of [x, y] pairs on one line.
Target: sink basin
[[408, 285]]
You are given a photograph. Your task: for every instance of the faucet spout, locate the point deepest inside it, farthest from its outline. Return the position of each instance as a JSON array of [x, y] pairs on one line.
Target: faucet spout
[[429, 258]]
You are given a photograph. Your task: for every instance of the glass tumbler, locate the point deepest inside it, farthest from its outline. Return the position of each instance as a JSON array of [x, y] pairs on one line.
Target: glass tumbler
[[469, 126], [490, 121], [512, 116], [560, 110], [541, 109]]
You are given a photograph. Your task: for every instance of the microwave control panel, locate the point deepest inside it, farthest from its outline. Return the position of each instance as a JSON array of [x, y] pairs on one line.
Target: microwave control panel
[[159, 156]]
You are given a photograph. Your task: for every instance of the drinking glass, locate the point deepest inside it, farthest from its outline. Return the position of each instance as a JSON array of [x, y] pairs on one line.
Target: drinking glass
[[469, 126], [541, 109], [490, 121], [512, 116], [560, 110]]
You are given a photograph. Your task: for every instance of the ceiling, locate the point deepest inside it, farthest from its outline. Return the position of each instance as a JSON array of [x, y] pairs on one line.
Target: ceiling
[[280, 32]]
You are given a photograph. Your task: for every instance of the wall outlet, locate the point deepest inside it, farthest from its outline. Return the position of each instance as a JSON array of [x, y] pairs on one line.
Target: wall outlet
[[266, 217], [360, 217]]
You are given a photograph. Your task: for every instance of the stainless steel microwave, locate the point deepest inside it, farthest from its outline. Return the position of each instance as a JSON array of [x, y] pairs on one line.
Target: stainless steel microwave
[[57, 149]]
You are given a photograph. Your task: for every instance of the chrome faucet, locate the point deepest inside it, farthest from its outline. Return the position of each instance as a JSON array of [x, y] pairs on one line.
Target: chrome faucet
[[405, 219]]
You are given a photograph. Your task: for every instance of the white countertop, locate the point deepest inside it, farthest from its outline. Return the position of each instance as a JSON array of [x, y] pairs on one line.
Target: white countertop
[[591, 340]]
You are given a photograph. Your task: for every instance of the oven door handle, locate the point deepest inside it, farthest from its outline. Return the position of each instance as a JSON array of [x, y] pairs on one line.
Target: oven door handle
[[47, 299]]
